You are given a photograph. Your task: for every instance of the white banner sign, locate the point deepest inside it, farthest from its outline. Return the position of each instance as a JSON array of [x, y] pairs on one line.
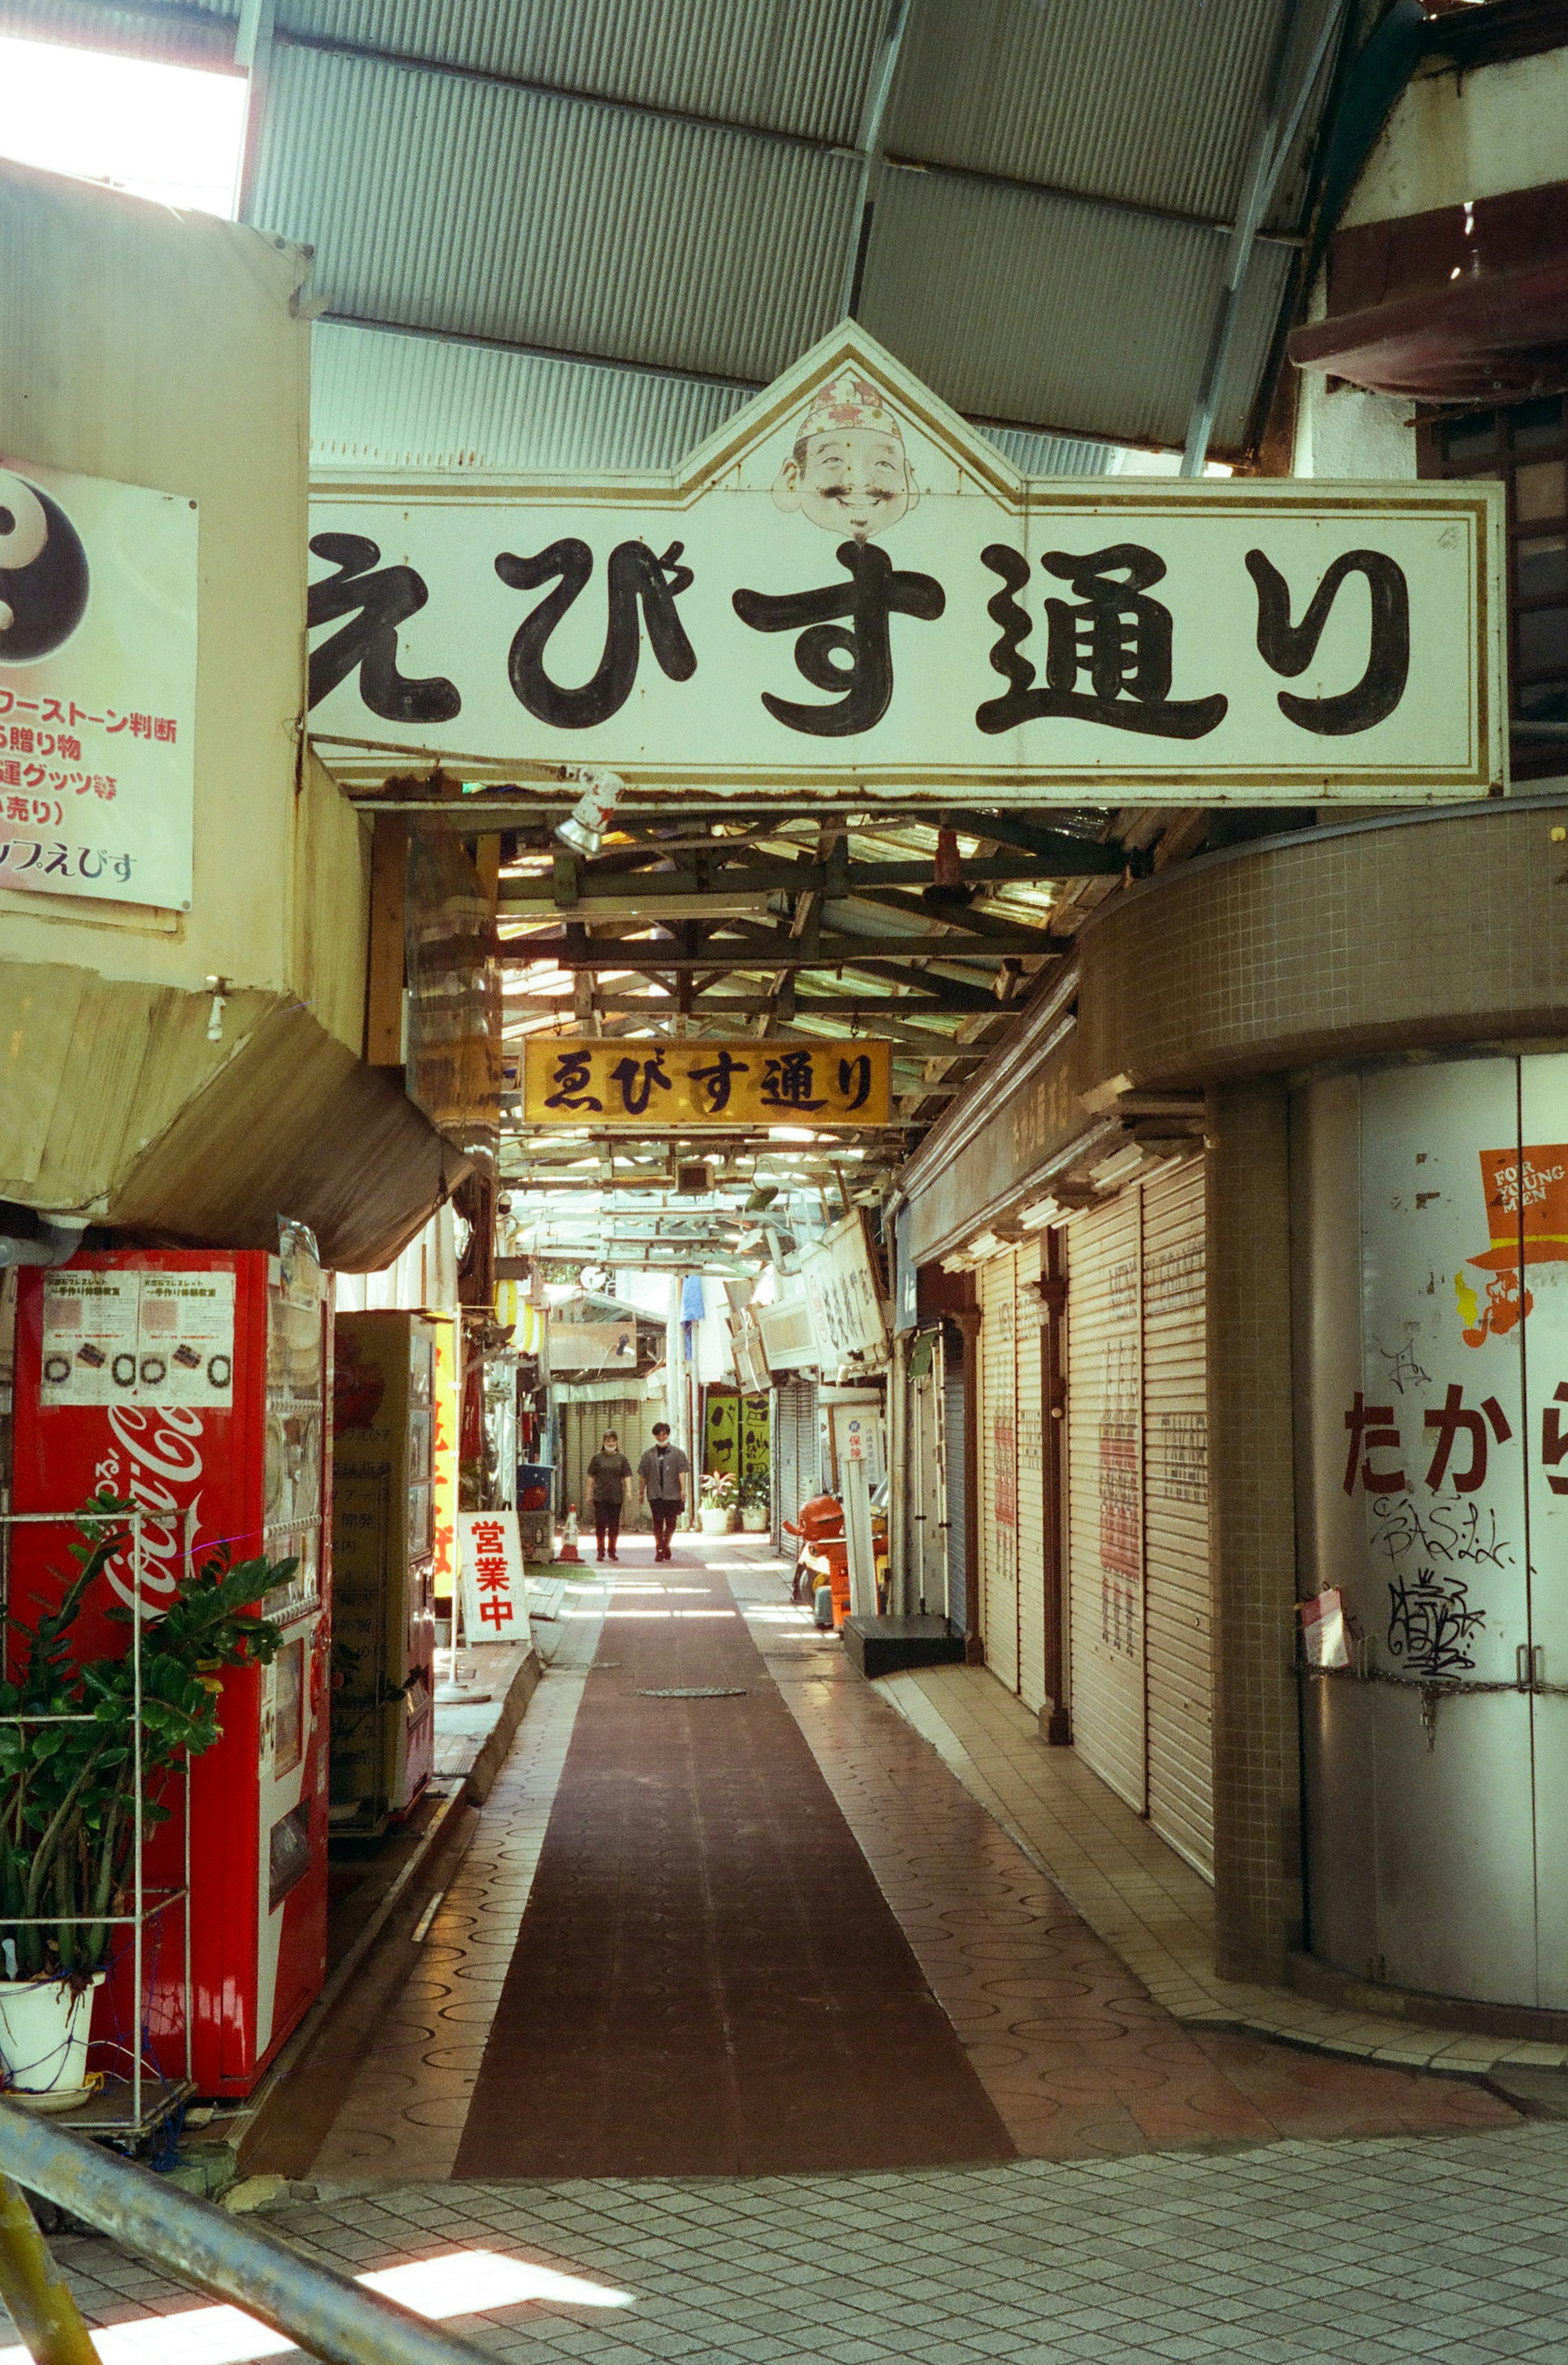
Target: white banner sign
[[494, 1600], [847, 585], [97, 688], [843, 1293]]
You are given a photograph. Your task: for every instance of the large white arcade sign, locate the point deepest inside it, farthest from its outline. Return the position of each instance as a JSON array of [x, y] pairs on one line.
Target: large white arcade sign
[[846, 587]]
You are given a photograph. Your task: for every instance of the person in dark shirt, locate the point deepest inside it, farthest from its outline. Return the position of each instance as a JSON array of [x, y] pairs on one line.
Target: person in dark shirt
[[606, 1475], [661, 1479]]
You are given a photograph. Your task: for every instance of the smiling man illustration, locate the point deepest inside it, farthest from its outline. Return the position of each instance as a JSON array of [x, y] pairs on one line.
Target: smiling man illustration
[[848, 471]]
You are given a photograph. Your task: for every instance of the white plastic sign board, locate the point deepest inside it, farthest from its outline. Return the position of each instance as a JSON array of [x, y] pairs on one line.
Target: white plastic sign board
[[97, 688], [848, 587], [490, 1573]]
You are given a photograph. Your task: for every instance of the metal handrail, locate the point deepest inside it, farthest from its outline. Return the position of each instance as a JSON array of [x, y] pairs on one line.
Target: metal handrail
[[329, 2316]]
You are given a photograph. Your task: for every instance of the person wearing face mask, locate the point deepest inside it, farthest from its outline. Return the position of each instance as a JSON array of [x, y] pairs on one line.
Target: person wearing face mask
[[606, 1475], [661, 1483]]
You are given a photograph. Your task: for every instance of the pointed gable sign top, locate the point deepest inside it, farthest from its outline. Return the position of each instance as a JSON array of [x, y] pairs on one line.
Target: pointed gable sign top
[[846, 588]]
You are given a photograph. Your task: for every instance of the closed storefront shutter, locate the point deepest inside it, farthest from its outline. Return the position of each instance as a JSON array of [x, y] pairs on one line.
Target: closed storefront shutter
[[798, 1458], [1105, 1556], [1176, 1516], [999, 1467], [1031, 1482], [958, 1481]]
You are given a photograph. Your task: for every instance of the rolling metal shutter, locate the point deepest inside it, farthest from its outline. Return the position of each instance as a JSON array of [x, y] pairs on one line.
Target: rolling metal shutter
[[1029, 1316], [999, 1467], [955, 1491], [1105, 1551], [798, 1473], [1176, 1516]]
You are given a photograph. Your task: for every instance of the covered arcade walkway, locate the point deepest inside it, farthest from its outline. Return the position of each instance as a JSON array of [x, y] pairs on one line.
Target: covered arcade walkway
[[728, 1914]]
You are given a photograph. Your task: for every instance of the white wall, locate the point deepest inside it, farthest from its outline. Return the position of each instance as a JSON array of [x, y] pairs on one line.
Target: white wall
[[1452, 139]]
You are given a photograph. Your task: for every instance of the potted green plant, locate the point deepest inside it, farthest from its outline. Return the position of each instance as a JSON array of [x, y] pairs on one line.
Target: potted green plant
[[757, 1502], [717, 1509], [70, 1765]]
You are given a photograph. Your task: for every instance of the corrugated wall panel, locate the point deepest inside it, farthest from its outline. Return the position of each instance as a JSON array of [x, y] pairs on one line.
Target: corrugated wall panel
[[378, 399], [1106, 1552], [792, 65], [438, 202], [1176, 1516], [1015, 305], [999, 1468], [1031, 1483]]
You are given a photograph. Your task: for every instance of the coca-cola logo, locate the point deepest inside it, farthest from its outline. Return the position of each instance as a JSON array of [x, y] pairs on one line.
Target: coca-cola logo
[[161, 1472]]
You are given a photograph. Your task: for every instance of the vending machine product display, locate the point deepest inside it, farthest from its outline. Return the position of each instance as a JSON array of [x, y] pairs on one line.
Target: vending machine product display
[[194, 1385], [383, 1605]]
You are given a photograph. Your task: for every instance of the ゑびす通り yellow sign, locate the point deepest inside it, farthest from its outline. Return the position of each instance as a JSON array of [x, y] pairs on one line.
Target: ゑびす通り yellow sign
[[650, 1087]]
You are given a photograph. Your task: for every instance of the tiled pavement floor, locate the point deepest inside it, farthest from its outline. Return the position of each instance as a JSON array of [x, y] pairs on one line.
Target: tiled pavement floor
[[1370, 2253], [1267, 2252], [1153, 1910], [1076, 2056]]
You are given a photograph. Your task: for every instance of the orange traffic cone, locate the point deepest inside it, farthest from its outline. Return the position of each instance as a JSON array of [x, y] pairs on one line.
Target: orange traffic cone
[[570, 1539]]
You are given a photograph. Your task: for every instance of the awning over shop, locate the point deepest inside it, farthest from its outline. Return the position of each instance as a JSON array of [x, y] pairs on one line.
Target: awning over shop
[[1465, 304]]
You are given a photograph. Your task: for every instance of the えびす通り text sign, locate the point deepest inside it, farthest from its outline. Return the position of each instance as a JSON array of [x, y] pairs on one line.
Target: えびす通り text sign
[[847, 586], [97, 688], [662, 1087]]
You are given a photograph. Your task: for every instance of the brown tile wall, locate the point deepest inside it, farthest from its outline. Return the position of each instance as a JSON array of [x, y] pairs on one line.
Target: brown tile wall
[[1447, 929], [1256, 1748]]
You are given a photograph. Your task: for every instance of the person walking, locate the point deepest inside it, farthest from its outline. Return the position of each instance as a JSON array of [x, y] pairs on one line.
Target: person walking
[[661, 1483], [606, 1475]]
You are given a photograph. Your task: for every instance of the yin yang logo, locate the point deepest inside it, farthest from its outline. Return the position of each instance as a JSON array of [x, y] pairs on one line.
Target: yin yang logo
[[43, 573]]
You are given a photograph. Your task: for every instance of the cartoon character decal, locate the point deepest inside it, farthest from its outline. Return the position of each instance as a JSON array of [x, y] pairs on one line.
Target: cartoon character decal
[[44, 576], [1526, 1211], [848, 471]]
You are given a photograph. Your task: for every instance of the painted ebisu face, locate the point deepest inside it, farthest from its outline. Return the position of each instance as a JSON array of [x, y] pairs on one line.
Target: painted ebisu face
[[43, 573], [849, 480]]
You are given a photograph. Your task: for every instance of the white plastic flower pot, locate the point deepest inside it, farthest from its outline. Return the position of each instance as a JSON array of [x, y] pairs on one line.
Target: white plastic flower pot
[[715, 1519], [754, 1523], [44, 2025]]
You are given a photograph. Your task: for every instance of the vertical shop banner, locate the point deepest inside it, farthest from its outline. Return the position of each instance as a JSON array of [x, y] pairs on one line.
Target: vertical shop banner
[[97, 688], [443, 1461], [494, 1597]]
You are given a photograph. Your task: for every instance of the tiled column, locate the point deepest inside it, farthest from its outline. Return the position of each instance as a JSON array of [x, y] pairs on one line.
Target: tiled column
[[1253, 1528]]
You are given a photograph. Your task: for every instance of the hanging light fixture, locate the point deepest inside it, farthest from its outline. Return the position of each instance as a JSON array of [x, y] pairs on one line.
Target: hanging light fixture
[[584, 826], [947, 882]]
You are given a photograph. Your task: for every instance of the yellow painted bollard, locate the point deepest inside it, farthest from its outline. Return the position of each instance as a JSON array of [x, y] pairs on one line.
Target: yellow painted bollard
[[35, 2291]]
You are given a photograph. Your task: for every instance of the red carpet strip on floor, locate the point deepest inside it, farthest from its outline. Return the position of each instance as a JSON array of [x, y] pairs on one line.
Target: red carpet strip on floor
[[706, 1980]]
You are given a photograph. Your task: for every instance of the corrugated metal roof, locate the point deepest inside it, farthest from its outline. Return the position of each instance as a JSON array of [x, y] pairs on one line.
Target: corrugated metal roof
[[665, 183], [438, 201], [1002, 299], [381, 401], [791, 65], [378, 399], [1151, 101], [198, 37]]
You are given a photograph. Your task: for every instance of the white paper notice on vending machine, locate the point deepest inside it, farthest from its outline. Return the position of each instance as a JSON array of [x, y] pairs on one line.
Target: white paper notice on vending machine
[[130, 1337]]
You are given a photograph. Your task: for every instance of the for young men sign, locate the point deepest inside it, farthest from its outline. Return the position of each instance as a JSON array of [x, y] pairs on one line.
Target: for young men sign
[[848, 587]]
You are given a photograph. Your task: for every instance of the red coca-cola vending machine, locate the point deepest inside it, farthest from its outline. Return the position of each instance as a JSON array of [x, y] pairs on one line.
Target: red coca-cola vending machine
[[196, 1383]]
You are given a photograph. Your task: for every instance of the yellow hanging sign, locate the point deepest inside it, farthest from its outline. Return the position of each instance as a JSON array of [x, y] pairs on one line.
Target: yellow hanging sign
[[681, 1087]]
